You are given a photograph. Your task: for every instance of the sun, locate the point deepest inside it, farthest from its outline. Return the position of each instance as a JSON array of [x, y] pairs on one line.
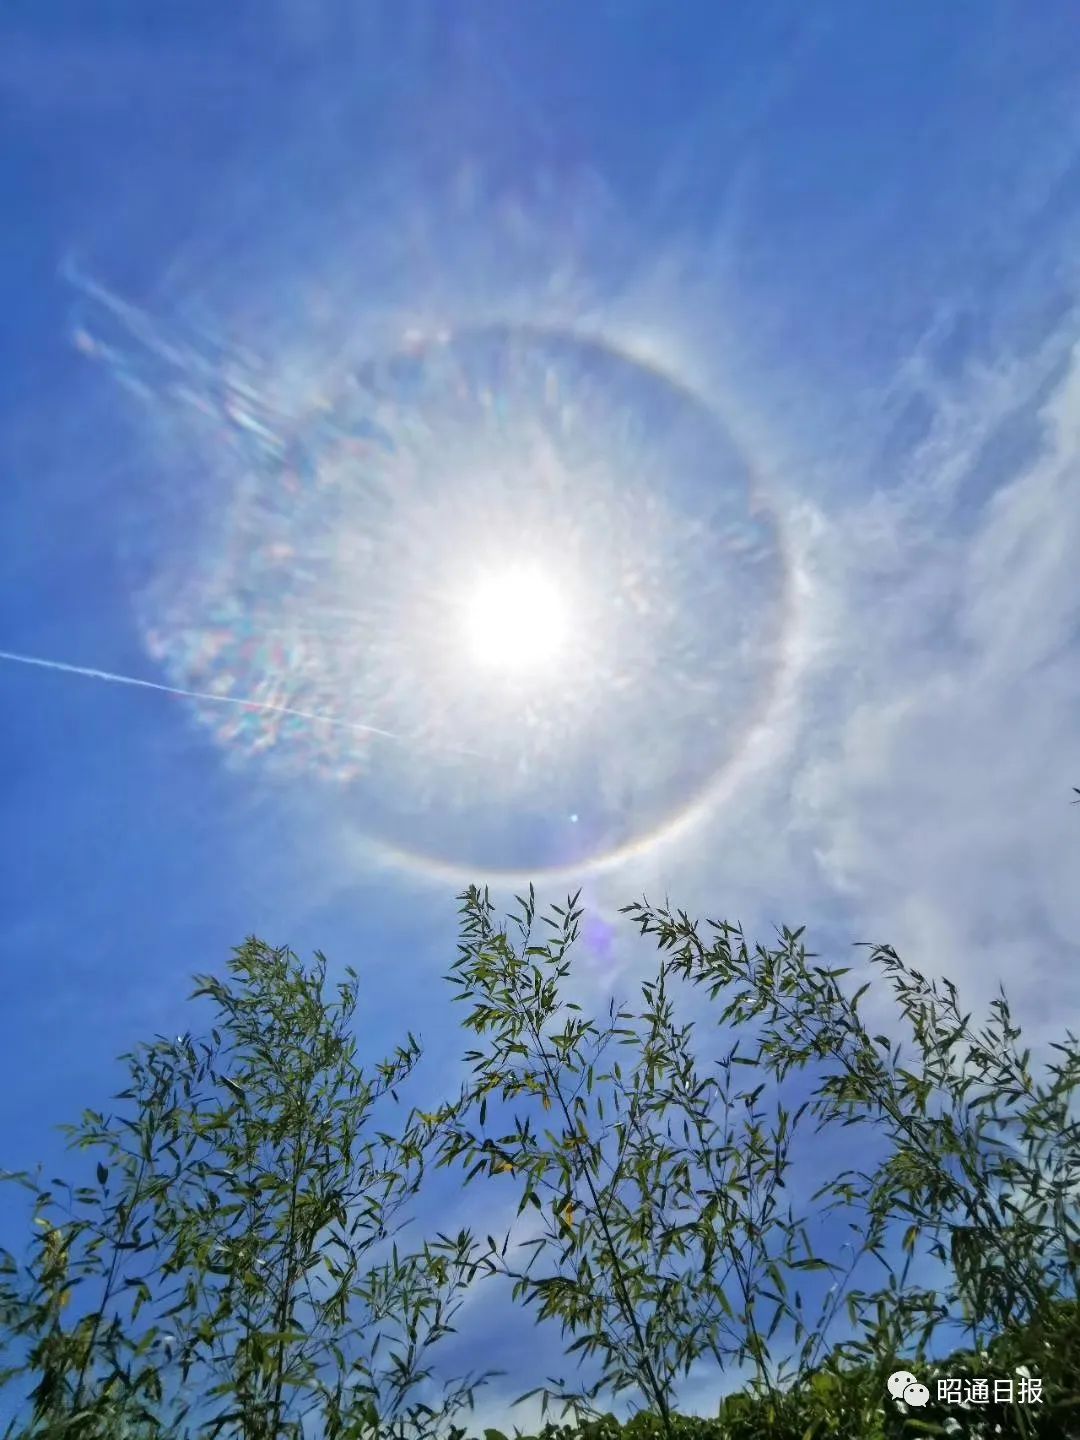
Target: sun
[[516, 620]]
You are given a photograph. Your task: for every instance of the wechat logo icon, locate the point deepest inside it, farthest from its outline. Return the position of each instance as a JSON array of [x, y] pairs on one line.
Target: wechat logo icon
[[904, 1386]]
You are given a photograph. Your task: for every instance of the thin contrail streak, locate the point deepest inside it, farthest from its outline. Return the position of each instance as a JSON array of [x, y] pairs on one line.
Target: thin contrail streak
[[88, 673]]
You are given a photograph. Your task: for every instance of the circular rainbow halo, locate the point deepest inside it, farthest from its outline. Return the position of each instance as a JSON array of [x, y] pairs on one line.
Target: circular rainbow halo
[[537, 564]]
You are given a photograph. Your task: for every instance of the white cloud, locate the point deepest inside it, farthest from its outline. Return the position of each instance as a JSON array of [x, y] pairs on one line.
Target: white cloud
[[920, 796], [928, 784]]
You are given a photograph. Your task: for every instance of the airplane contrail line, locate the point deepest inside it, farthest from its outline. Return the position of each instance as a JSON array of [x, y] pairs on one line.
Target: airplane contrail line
[[88, 672]]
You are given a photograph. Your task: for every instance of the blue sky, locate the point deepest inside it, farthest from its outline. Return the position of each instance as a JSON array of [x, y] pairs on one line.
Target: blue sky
[[848, 232]]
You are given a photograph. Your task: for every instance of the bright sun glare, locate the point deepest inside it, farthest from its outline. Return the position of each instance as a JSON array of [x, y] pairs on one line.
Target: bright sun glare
[[515, 620]]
